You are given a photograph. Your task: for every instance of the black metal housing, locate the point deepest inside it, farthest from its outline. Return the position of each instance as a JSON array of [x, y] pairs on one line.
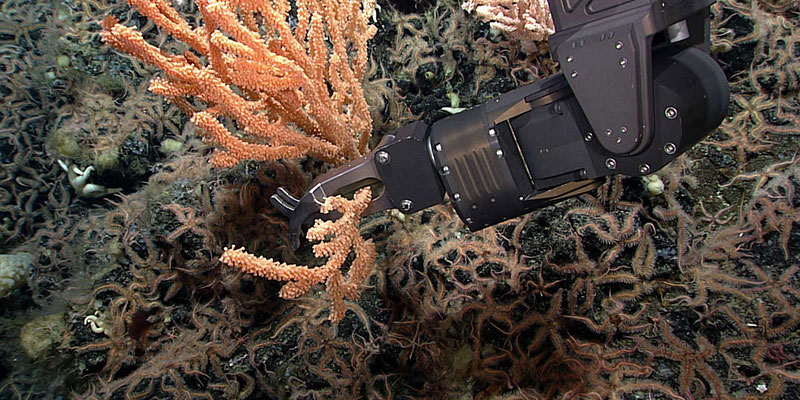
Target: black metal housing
[[606, 47], [534, 146]]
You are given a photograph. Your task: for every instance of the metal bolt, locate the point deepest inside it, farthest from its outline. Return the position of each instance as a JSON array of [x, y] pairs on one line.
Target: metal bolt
[[457, 196], [382, 157], [644, 169], [492, 132], [469, 220], [499, 153], [520, 198], [619, 45], [445, 170], [406, 205], [570, 59], [574, 74], [609, 132], [623, 129], [588, 136], [492, 200], [670, 148], [438, 147], [623, 62], [671, 112], [611, 163]]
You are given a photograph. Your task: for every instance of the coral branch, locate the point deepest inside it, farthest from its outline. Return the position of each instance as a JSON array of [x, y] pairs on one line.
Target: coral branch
[[337, 239], [528, 21]]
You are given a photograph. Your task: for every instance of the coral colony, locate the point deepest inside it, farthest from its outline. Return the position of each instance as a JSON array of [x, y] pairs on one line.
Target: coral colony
[[141, 258]]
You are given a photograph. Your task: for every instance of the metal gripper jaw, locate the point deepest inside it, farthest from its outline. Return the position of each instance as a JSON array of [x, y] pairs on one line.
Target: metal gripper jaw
[[399, 171]]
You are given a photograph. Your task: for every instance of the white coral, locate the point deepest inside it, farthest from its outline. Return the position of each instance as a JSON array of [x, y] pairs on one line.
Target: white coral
[[528, 21]]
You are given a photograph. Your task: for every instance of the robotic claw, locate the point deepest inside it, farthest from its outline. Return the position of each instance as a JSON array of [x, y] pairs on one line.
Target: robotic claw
[[637, 88]]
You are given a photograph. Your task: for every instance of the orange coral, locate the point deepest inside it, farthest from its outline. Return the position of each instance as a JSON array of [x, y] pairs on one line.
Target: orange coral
[[291, 92], [343, 236]]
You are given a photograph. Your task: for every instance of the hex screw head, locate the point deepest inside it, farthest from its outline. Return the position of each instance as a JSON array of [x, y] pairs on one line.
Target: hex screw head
[[382, 157], [611, 163], [406, 205], [670, 148], [671, 112], [644, 169]]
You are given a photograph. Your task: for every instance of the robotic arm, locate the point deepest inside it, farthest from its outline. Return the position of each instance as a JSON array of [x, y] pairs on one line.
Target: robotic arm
[[637, 88]]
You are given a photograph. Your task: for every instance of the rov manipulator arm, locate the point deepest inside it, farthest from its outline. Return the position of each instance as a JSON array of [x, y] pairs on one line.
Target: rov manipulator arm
[[637, 88]]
